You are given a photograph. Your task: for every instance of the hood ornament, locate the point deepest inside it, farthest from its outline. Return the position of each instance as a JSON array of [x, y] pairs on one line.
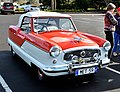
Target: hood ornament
[[78, 39]]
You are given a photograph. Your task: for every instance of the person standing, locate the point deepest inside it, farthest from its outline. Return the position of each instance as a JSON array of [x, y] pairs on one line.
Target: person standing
[[110, 23], [116, 48]]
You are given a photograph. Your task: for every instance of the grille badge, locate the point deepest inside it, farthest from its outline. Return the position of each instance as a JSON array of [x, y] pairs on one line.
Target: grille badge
[[80, 60], [82, 53]]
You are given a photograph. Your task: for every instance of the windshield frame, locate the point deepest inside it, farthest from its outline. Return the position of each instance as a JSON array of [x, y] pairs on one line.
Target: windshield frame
[[75, 29]]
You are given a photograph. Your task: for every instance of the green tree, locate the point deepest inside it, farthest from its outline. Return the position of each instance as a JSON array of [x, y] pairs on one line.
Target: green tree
[[82, 4]]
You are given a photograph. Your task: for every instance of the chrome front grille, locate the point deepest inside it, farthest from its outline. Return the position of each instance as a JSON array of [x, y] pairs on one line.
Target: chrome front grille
[[84, 55]]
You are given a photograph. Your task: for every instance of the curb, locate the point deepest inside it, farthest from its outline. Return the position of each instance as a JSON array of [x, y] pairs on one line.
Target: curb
[[89, 14]]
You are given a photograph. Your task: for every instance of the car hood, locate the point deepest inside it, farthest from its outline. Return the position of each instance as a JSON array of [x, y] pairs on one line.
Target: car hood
[[68, 40]]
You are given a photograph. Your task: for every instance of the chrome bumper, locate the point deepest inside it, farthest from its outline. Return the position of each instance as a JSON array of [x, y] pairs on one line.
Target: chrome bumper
[[68, 69]]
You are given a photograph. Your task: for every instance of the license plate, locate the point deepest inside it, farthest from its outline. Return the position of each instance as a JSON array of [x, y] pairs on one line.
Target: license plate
[[8, 7], [85, 71]]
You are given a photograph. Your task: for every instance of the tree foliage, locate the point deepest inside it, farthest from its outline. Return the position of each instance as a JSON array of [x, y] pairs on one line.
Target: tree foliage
[[81, 4]]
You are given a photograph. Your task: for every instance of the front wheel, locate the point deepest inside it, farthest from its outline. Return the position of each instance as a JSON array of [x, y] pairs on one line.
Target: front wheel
[[38, 73]]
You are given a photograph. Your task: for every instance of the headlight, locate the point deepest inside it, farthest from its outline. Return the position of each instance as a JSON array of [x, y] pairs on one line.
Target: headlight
[[55, 51], [107, 46]]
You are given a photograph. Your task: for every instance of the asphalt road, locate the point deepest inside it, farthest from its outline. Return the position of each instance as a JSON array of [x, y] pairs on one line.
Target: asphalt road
[[19, 78]]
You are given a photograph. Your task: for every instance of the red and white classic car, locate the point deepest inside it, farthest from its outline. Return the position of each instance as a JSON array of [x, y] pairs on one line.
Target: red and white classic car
[[51, 43]]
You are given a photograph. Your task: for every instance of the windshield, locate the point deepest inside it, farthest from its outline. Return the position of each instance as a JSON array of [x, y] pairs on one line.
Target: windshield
[[8, 4], [52, 24]]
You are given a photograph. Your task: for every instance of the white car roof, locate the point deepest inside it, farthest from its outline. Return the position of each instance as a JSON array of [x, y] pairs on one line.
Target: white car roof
[[41, 14], [45, 14]]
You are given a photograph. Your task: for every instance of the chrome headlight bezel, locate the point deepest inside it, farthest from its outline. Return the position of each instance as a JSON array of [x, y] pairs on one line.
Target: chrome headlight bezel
[[54, 51], [107, 45]]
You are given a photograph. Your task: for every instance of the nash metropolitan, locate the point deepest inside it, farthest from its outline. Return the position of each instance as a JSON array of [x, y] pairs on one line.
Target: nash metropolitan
[[51, 43]]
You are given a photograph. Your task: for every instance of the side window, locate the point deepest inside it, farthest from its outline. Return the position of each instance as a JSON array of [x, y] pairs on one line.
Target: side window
[[26, 25]]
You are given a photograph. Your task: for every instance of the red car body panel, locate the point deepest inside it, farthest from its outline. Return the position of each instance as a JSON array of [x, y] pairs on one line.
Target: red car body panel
[[100, 41], [46, 40], [39, 41], [17, 35], [66, 40]]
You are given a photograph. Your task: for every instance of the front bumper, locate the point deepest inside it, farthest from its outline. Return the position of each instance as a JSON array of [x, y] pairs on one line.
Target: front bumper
[[8, 10], [105, 63], [69, 69]]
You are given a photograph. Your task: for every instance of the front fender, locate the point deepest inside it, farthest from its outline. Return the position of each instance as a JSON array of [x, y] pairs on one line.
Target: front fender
[[100, 41]]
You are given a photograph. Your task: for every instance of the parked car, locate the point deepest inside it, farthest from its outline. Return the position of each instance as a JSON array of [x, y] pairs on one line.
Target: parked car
[[20, 8], [31, 8], [7, 7], [35, 8], [50, 43], [1, 4], [15, 6], [28, 8]]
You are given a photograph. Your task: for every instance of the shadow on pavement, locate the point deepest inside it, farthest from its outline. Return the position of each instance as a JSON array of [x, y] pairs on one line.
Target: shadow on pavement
[[116, 59]]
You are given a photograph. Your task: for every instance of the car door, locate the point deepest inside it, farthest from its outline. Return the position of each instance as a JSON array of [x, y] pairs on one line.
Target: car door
[[22, 33]]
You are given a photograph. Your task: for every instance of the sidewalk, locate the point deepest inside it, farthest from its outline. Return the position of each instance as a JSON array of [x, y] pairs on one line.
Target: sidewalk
[[89, 14], [86, 13], [75, 13]]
